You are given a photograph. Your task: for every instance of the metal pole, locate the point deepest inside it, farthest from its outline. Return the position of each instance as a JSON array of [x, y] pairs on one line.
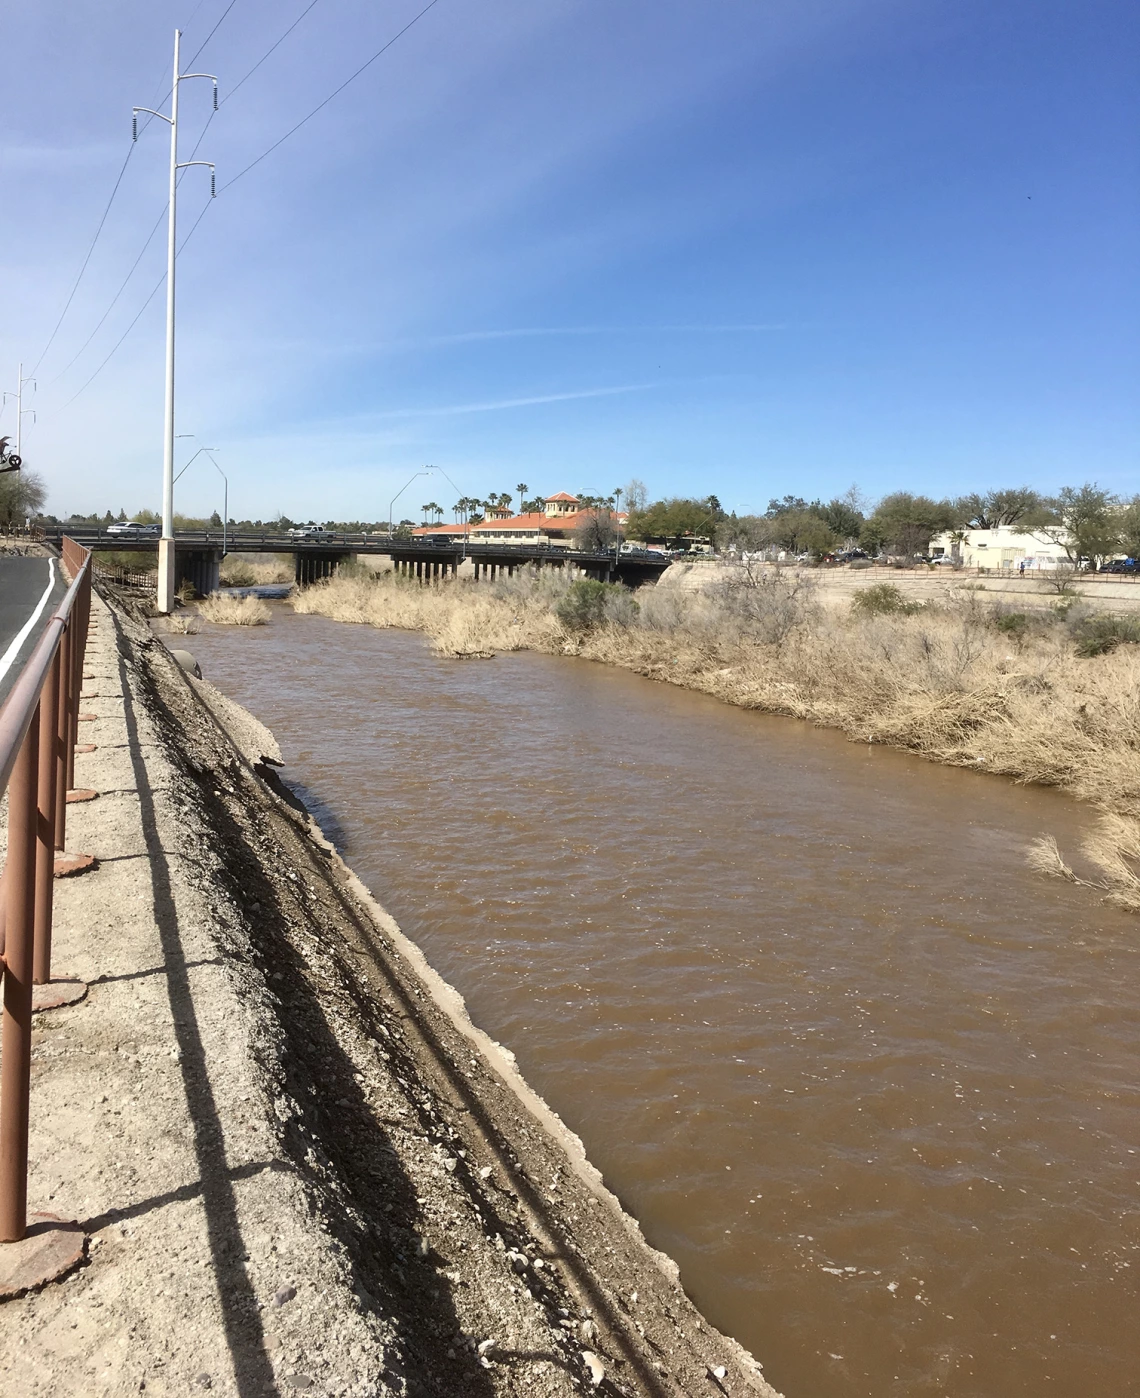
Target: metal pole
[[19, 409], [62, 732], [165, 598], [45, 827], [16, 1032]]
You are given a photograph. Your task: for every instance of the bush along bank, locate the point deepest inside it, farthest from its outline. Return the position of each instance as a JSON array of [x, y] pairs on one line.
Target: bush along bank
[[1051, 697]]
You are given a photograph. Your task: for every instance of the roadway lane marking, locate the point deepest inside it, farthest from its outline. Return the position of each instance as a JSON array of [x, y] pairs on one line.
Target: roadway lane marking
[[14, 649]]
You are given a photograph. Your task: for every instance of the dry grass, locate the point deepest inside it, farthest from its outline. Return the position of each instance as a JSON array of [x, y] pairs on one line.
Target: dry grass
[[240, 571], [234, 611], [182, 624], [945, 682]]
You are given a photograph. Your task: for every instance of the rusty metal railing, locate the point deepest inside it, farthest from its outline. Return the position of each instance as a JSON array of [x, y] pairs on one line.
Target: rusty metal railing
[[38, 729]]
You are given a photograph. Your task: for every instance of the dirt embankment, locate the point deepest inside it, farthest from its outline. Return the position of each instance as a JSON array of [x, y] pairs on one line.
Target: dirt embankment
[[301, 1167]]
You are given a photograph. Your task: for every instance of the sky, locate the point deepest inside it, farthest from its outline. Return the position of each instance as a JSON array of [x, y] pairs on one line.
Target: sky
[[749, 247]]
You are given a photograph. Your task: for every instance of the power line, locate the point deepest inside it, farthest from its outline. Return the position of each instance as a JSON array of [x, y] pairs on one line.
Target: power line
[[86, 260], [193, 153], [115, 190], [368, 64], [211, 34], [157, 288], [293, 130], [114, 299], [268, 52]]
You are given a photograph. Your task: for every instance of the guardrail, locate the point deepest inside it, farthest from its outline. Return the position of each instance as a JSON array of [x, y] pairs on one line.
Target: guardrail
[[38, 730]]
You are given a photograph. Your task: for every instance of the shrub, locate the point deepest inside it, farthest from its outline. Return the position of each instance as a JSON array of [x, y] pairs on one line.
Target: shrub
[[860, 563], [1101, 632], [588, 604], [883, 599], [235, 611], [1013, 624]]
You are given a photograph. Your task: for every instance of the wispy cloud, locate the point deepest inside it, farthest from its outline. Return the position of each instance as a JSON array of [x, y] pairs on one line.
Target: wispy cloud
[[499, 404]]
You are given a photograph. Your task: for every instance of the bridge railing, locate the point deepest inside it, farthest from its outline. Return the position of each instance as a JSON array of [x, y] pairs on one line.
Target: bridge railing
[[38, 729]]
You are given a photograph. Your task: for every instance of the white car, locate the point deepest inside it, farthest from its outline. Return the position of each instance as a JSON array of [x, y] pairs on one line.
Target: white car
[[133, 527], [310, 531]]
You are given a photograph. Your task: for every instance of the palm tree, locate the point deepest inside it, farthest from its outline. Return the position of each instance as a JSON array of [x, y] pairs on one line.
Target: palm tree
[[522, 490]]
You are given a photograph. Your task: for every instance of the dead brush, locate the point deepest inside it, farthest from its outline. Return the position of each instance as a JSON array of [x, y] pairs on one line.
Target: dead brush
[[234, 611]]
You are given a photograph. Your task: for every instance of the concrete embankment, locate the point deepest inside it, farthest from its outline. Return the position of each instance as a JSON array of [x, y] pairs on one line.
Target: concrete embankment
[[300, 1166]]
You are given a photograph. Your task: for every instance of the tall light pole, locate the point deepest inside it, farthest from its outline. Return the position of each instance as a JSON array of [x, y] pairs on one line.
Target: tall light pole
[[165, 597], [392, 505], [226, 492]]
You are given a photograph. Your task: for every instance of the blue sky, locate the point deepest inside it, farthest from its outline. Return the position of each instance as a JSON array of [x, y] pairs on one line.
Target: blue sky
[[717, 245]]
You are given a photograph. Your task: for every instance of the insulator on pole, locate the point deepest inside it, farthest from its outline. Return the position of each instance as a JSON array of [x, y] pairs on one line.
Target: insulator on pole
[[215, 94], [134, 127], [213, 185]]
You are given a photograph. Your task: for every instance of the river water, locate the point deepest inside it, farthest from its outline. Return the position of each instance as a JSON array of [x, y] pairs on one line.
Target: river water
[[868, 1080]]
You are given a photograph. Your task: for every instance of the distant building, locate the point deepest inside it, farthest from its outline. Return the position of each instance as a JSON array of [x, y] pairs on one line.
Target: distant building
[[1005, 547], [553, 525]]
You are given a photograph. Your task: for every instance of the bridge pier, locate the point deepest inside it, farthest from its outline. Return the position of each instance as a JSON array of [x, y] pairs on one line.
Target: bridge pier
[[201, 568], [313, 565]]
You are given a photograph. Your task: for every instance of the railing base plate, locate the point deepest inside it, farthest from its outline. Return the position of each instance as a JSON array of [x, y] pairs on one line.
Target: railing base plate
[[51, 1248], [57, 993], [68, 865], [85, 747], [78, 794]]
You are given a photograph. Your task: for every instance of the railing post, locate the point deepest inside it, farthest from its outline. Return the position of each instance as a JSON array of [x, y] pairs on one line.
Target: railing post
[[63, 733], [75, 680], [16, 1041], [45, 825]]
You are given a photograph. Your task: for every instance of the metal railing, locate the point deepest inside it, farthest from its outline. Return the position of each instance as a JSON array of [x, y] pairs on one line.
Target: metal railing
[[38, 730]]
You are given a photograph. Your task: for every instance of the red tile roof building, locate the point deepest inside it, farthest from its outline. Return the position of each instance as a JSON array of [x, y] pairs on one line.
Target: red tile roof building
[[554, 525]]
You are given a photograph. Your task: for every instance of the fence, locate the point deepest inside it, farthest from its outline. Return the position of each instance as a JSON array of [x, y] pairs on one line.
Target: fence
[[127, 577], [38, 731]]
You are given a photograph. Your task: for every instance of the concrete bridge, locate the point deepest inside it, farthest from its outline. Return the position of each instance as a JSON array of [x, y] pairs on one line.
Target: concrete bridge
[[198, 555]]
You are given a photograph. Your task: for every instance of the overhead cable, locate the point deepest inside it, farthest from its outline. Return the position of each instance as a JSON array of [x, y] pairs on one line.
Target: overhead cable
[[292, 131], [321, 106], [86, 260]]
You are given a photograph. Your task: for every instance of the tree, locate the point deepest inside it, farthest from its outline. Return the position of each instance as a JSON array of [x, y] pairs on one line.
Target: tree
[[992, 508], [636, 496], [842, 515], [22, 495], [802, 531], [522, 490], [215, 520], [1085, 523], [668, 520], [597, 533], [904, 524], [1130, 528]]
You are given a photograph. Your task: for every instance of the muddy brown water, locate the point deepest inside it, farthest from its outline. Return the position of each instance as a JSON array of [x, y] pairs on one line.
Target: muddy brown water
[[868, 1080]]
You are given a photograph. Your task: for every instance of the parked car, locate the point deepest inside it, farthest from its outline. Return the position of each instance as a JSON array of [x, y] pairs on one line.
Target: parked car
[[850, 555], [943, 558], [133, 527], [1120, 565]]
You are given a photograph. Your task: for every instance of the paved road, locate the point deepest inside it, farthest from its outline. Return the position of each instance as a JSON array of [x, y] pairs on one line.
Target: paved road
[[29, 590]]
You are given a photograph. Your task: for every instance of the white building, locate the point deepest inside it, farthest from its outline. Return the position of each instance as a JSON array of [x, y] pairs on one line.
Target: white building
[[1005, 547]]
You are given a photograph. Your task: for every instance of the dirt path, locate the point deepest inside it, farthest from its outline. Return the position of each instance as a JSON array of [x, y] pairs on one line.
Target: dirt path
[[300, 1166]]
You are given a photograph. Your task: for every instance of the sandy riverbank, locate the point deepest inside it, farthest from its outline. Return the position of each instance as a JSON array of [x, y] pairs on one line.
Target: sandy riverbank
[[300, 1165]]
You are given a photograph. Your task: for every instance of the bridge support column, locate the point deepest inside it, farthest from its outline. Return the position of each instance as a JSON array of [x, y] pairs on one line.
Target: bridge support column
[[201, 568]]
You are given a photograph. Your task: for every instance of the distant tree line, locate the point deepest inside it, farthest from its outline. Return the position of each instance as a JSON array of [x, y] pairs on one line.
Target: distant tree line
[[1090, 523]]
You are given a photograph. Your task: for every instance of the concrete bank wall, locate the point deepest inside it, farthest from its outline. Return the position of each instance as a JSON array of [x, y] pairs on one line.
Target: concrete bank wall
[[301, 1168]]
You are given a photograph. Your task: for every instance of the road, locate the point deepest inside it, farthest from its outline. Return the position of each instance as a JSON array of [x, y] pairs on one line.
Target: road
[[29, 590]]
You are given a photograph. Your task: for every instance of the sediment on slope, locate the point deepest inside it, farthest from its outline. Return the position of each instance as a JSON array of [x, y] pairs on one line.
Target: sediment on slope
[[465, 1244]]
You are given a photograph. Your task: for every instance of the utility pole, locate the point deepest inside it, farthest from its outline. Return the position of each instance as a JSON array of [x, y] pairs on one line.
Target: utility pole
[[166, 542], [20, 409]]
